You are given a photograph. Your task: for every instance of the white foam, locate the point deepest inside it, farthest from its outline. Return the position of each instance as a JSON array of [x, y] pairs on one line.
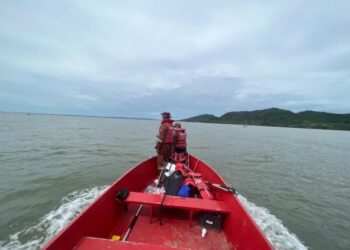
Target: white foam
[[72, 204], [275, 231], [51, 223]]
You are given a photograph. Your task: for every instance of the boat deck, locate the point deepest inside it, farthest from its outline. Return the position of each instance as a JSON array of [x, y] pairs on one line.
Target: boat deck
[[174, 232], [106, 218]]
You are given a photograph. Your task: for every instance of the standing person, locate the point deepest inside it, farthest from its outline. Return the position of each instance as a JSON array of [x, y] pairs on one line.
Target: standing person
[[179, 144], [165, 140]]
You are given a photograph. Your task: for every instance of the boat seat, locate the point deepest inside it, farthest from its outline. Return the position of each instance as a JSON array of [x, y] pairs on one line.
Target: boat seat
[[104, 244], [186, 203]]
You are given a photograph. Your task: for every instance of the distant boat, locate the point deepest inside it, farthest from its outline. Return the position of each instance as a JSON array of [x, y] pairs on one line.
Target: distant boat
[[109, 223]]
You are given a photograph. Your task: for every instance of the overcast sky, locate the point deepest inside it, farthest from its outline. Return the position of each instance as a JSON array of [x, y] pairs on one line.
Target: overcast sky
[[135, 58]]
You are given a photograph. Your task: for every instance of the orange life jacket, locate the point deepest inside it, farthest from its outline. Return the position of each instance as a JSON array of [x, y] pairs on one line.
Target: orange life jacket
[[196, 180], [181, 141], [179, 157], [169, 134]]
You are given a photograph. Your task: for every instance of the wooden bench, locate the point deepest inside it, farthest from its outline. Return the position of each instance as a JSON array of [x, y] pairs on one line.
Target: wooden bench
[[185, 203]]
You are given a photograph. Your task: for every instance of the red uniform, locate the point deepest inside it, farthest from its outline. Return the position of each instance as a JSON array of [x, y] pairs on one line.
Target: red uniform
[[165, 142]]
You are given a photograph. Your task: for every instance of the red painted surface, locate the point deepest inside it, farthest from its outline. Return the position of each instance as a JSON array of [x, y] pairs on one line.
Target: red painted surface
[[106, 217], [175, 232], [178, 202], [101, 244]]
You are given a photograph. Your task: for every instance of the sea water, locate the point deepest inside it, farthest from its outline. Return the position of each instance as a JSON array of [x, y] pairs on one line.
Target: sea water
[[294, 182]]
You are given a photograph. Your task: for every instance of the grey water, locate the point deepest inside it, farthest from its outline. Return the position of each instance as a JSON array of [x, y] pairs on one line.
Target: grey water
[[300, 175]]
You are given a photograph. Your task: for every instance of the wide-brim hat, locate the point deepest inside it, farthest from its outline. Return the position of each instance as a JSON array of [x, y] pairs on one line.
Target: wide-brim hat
[[165, 113]]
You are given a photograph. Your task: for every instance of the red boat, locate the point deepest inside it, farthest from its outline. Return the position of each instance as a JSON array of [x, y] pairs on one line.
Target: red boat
[[133, 223]]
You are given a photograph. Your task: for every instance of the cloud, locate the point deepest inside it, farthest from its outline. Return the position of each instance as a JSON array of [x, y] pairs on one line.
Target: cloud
[[85, 97], [139, 58]]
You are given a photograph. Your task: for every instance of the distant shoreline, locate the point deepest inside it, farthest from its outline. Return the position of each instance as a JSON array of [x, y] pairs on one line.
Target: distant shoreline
[[92, 116], [275, 117]]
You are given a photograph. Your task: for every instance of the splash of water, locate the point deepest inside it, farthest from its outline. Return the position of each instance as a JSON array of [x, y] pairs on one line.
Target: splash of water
[[72, 204], [275, 231], [54, 221]]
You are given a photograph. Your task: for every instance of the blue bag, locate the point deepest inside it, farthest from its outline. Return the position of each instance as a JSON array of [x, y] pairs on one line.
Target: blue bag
[[184, 191]]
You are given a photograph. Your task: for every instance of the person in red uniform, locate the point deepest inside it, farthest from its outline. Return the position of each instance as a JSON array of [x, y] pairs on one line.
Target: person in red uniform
[[165, 140]]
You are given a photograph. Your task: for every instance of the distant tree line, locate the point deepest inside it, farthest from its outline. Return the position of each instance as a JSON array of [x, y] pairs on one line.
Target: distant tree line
[[280, 118]]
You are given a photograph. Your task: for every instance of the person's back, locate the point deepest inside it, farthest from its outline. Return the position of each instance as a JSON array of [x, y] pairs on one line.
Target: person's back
[[165, 140]]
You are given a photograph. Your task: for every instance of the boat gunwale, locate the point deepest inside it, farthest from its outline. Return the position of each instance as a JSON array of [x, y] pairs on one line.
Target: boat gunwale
[[50, 243], [62, 231]]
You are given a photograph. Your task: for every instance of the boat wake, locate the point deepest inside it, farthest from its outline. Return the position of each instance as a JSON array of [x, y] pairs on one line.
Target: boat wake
[[275, 231], [36, 236], [72, 204]]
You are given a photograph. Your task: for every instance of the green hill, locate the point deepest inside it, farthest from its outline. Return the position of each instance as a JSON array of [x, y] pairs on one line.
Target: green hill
[[204, 118], [280, 118]]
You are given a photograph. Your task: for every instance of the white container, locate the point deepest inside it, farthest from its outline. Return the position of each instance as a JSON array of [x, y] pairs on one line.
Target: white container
[[204, 232]]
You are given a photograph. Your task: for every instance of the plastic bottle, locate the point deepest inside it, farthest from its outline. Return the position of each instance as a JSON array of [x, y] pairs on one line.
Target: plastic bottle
[[204, 232]]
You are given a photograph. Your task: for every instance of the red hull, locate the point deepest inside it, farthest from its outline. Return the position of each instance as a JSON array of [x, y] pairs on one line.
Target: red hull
[[105, 217]]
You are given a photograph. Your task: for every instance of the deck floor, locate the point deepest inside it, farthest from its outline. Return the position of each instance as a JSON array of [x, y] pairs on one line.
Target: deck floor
[[175, 231]]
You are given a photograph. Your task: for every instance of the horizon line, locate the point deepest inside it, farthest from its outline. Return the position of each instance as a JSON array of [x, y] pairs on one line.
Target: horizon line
[[95, 116]]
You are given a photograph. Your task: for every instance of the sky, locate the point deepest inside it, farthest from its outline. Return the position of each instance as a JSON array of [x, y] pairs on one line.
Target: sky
[[138, 58]]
